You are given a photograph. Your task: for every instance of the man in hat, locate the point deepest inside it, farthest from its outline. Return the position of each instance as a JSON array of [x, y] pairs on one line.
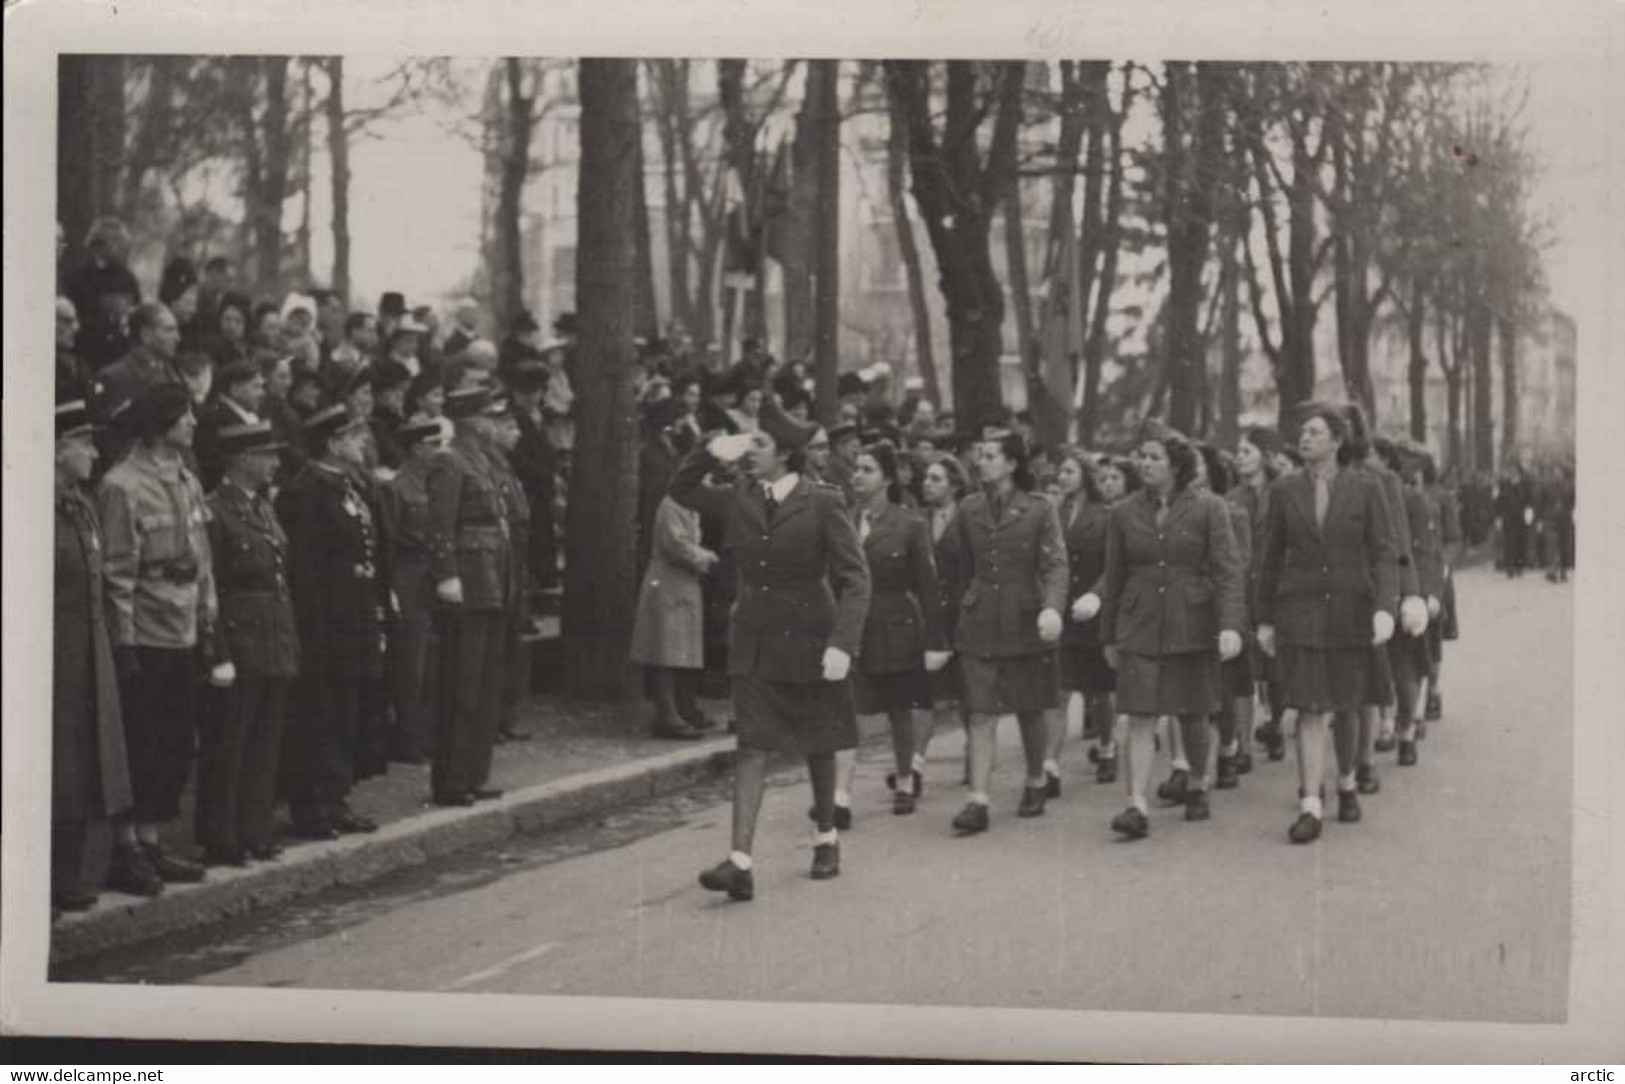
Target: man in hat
[[804, 596], [90, 774], [256, 652], [74, 379], [239, 395], [403, 344], [505, 434], [161, 605], [465, 327], [357, 350], [105, 292], [389, 387], [151, 359], [391, 311], [471, 563], [413, 646], [523, 342], [845, 444], [338, 600]]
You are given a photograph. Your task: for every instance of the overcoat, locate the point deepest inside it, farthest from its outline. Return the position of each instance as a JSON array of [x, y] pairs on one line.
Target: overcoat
[[905, 606], [1083, 527], [90, 776], [1172, 587], [803, 583], [1319, 585], [1013, 568], [1393, 492], [669, 627], [1427, 553], [468, 527], [256, 627]]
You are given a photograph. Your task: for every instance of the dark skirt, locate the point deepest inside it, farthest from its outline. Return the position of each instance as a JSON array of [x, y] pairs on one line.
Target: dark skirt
[[1408, 654], [1184, 684], [947, 684], [1084, 669], [1379, 676], [876, 693], [1237, 676], [1010, 684], [1315, 679], [1449, 616], [794, 717]]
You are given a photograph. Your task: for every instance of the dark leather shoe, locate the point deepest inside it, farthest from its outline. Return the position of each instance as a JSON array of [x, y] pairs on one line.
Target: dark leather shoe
[[130, 872], [1196, 806], [1435, 708], [1348, 807], [1306, 829], [843, 817], [453, 800], [1270, 737], [348, 822], [1384, 744], [213, 857], [1052, 785], [83, 900], [972, 819], [173, 870], [1106, 770], [826, 861], [698, 721], [1366, 780], [1131, 824], [266, 852], [675, 729], [1244, 763], [902, 803], [1032, 802], [486, 794], [1176, 789], [1227, 775], [1407, 754], [1094, 754], [738, 883], [1421, 731]]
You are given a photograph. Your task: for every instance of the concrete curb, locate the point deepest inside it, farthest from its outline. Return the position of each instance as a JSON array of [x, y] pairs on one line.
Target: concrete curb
[[356, 859]]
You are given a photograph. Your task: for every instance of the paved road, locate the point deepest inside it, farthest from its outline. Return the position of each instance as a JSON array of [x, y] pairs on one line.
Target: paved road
[[1450, 901]]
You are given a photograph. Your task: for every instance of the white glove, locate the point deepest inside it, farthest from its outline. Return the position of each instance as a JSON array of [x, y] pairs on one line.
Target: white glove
[[1086, 606], [223, 675], [1229, 644], [1413, 615], [450, 590], [1433, 606], [936, 660], [1266, 639], [1382, 627], [836, 664], [729, 448], [1049, 626]]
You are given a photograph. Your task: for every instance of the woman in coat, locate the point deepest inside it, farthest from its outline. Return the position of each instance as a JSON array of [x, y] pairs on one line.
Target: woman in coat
[[903, 637], [1230, 757], [1256, 454], [1328, 590], [1173, 607], [1005, 546], [803, 596], [1086, 679], [90, 775], [668, 632], [943, 485], [1407, 652]]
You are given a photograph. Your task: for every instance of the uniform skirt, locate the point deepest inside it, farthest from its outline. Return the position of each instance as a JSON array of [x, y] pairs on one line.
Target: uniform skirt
[[1237, 676], [1379, 687], [1316, 679], [1084, 669], [794, 717], [876, 693], [1188, 683], [947, 684], [1010, 684]]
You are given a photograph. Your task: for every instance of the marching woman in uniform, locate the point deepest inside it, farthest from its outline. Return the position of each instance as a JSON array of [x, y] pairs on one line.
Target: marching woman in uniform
[[943, 486], [1087, 681], [1328, 590], [1447, 508], [1005, 546], [803, 597], [903, 637], [1173, 607], [1231, 757], [1408, 653], [1256, 455]]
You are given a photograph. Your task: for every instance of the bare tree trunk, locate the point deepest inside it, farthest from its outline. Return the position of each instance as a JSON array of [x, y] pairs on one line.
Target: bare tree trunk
[[274, 182], [739, 135], [671, 85], [508, 270], [907, 249], [827, 362], [1190, 172], [1479, 329], [601, 565], [1106, 239], [799, 333], [1060, 329], [338, 153], [1506, 334], [154, 118], [647, 321], [1415, 329], [1229, 430], [1021, 297], [306, 131], [89, 146]]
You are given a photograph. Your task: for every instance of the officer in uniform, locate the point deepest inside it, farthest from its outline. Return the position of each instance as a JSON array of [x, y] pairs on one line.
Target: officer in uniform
[[845, 444], [471, 563], [506, 435], [338, 608], [412, 656], [241, 741], [161, 604]]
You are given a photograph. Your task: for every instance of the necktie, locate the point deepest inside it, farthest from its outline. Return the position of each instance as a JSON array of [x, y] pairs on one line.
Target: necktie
[[1323, 499], [865, 523], [769, 502]]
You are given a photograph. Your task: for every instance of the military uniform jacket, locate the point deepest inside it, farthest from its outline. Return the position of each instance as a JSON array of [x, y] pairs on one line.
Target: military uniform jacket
[[256, 629], [1172, 586], [333, 568], [517, 507], [1393, 492], [1083, 527], [156, 557], [89, 768], [403, 504], [1427, 553], [905, 607], [1319, 586], [1013, 568], [803, 584], [468, 527]]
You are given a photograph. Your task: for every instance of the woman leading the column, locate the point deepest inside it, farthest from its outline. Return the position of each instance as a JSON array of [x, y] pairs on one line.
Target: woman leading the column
[[1006, 547], [1328, 592], [1173, 607], [798, 620]]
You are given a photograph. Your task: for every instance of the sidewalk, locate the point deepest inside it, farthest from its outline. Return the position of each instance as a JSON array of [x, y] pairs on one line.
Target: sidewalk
[[579, 761]]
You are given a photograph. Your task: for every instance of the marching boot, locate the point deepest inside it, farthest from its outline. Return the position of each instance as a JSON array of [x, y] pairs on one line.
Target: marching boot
[[826, 861], [1176, 788], [738, 883]]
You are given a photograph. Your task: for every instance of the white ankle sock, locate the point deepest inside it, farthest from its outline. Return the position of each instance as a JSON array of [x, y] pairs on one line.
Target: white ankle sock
[[1181, 764], [740, 859], [1052, 767], [919, 763], [1233, 748], [843, 799], [830, 836], [1346, 782], [1312, 806], [978, 797], [1140, 804]]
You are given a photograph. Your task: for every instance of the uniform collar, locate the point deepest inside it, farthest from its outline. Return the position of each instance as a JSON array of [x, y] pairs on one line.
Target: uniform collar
[[782, 488]]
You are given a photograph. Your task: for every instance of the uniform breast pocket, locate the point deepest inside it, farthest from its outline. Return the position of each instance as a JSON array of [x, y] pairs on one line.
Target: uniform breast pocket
[[160, 536]]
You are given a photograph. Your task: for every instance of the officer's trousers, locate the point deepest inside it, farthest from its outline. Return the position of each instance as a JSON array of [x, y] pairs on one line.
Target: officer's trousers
[[239, 753], [473, 653]]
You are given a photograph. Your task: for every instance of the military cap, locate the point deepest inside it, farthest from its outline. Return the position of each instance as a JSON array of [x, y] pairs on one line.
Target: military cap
[[329, 422], [392, 304], [73, 418], [467, 402], [786, 431], [247, 437], [158, 407], [422, 429], [844, 430]]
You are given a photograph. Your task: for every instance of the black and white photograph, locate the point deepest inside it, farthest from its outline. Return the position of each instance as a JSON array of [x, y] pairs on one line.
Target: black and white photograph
[[1054, 546]]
